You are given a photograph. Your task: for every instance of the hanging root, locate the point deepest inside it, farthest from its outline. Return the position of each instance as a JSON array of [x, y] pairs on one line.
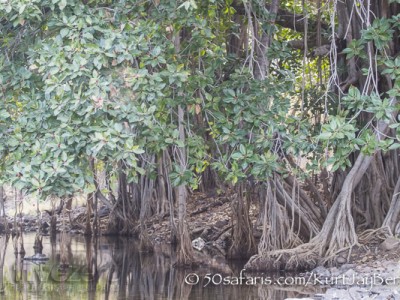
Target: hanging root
[[185, 255], [336, 235], [278, 231], [243, 244]]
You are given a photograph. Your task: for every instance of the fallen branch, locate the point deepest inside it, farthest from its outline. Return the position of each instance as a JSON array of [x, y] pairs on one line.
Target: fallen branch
[[219, 202]]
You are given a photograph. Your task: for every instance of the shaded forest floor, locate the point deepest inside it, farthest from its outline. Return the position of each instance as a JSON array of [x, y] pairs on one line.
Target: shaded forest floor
[[209, 218]]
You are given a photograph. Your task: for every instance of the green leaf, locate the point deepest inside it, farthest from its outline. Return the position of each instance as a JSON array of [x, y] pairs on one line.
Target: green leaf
[[22, 8], [237, 155], [156, 51], [325, 135], [242, 149], [62, 4], [394, 146], [138, 151], [229, 92], [90, 188], [394, 125], [35, 182], [64, 32], [4, 114]]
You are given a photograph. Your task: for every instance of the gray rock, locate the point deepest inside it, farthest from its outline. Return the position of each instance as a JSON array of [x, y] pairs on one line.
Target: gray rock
[[365, 270], [338, 294], [321, 271], [355, 292], [341, 260], [335, 272], [396, 295], [346, 267], [389, 244], [350, 274], [383, 296], [364, 293]]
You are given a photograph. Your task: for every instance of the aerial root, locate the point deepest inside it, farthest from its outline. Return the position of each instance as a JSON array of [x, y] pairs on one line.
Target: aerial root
[[374, 235], [309, 255]]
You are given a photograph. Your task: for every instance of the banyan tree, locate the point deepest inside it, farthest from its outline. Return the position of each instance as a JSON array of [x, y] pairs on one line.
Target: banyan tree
[[287, 106]]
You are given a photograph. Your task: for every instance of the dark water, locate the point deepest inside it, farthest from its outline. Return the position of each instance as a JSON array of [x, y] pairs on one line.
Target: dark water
[[114, 268]]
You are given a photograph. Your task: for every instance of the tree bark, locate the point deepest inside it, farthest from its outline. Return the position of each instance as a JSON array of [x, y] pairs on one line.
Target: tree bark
[[185, 253]]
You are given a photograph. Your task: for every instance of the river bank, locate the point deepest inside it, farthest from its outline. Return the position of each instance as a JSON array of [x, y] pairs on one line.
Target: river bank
[[370, 271]]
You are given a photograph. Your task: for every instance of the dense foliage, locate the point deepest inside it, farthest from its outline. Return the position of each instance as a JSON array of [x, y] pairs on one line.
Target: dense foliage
[[103, 81]]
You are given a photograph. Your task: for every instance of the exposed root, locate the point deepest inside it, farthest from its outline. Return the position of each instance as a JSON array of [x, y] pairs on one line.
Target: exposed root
[[303, 257], [337, 234], [278, 231], [374, 235], [243, 243], [185, 255]]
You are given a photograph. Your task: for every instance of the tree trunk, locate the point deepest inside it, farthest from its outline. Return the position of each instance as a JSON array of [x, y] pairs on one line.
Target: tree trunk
[[243, 244], [95, 198], [185, 251]]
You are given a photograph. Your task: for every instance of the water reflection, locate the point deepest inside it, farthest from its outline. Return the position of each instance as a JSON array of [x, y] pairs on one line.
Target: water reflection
[[111, 268]]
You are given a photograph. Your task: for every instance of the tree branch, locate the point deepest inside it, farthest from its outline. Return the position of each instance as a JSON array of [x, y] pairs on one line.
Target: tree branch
[[285, 18]]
